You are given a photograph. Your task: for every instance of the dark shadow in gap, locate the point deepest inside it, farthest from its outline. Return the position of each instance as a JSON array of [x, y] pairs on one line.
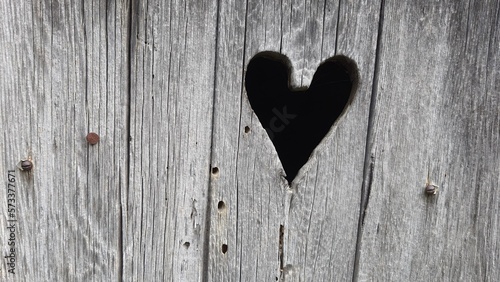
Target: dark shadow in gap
[[296, 120]]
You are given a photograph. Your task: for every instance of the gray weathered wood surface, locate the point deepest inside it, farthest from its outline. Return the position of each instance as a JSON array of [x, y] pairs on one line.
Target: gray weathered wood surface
[[185, 184], [64, 72], [436, 116]]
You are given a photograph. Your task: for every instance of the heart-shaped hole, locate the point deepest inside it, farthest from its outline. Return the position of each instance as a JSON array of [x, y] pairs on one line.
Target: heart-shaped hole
[[296, 120]]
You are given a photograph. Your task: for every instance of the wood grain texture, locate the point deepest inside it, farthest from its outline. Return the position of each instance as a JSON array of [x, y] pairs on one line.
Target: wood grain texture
[[436, 118], [171, 96], [323, 215], [64, 72], [185, 184], [249, 181], [319, 213]]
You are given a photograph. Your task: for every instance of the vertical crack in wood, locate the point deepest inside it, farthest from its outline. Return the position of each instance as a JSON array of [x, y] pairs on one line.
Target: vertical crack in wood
[[369, 163], [123, 197], [466, 42], [365, 197], [280, 250], [281, 25], [242, 90], [368, 189], [337, 27], [208, 214], [120, 238]]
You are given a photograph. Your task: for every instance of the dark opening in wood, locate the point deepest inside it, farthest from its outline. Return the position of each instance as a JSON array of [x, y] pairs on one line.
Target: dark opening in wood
[[247, 129], [215, 170], [224, 248], [221, 206], [296, 120], [280, 246]]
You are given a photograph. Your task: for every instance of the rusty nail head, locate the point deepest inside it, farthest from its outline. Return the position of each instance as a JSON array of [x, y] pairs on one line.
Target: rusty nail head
[[92, 138]]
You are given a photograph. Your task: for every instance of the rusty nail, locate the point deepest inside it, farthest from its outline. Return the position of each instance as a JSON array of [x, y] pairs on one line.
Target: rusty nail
[[92, 138]]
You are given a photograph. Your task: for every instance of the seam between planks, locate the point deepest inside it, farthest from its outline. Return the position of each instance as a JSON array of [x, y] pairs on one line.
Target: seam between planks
[[242, 90], [208, 215], [369, 157], [337, 27], [128, 130]]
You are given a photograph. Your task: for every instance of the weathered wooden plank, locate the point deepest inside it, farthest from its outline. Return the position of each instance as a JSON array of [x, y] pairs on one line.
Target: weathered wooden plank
[[64, 73], [172, 77], [223, 214], [323, 214], [436, 119], [319, 214], [249, 184]]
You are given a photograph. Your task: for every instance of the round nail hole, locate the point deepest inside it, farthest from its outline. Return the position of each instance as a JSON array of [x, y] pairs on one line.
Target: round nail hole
[[247, 129], [215, 170], [221, 206], [224, 248], [186, 245]]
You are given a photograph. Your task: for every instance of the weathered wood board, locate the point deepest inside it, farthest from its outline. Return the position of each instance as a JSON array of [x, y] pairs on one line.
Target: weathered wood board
[[185, 184], [436, 118], [171, 102], [64, 72], [318, 221]]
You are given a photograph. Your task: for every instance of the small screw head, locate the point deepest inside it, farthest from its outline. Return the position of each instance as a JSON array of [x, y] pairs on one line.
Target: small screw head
[[26, 165], [92, 138], [431, 189]]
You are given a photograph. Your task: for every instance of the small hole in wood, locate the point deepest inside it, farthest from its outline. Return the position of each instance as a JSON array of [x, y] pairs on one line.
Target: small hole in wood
[[221, 206], [215, 170], [186, 245], [296, 120], [224, 248], [247, 129]]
